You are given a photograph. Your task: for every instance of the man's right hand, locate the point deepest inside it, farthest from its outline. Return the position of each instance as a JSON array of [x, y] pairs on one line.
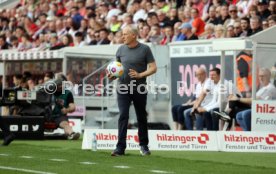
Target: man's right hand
[[111, 77]]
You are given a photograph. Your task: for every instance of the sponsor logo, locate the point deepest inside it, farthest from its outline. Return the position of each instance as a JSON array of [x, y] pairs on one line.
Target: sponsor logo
[[201, 139], [270, 139], [265, 108]]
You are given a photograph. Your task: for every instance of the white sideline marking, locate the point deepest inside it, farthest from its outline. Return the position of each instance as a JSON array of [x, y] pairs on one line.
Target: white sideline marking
[[87, 163], [58, 160], [24, 170], [122, 167], [159, 171], [4, 154], [26, 157]]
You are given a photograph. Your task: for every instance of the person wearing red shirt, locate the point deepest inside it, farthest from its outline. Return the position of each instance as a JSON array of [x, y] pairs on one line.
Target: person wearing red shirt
[[198, 24]]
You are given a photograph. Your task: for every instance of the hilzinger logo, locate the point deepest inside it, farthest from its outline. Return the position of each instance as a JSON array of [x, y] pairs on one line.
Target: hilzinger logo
[[202, 138], [271, 139]]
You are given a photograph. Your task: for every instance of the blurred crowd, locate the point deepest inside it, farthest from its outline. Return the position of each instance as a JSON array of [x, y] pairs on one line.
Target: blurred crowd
[[54, 24]]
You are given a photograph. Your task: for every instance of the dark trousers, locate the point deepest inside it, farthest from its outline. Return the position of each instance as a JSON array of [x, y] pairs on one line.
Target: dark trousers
[[139, 102], [178, 113], [4, 127]]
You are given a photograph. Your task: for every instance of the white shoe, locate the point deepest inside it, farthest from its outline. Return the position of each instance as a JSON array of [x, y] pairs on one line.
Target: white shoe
[[223, 116]]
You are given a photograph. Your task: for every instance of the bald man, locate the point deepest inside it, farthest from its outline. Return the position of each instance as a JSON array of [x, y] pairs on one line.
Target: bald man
[[138, 63]]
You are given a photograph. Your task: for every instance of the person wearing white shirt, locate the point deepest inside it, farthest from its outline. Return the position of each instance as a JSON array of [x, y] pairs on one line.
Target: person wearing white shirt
[[225, 89], [267, 91], [202, 98]]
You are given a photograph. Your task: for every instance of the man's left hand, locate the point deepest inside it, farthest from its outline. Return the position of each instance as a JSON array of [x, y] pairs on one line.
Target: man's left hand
[[201, 109], [134, 74], [64, 110]]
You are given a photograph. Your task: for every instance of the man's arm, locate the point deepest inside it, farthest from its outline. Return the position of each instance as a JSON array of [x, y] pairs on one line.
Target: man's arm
[[152, 68], [71, 108]]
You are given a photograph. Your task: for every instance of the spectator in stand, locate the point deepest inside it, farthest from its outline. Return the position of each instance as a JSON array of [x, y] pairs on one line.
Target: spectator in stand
[[212, 16], [224, 15], [198, 24], [127, 20], [95, 24], [161, 4], [3, 44], [186, 29], [60, 29], [255, 25], [29, 26], [118, 39], [19, 32], [233, 11], [245, 26], [230, 31], [81, 6], [4, 25], [187, 15], [265, 24], [272, 20], [14, 42], [253, 11], [162, 18], [152, 19], [103, 37], [67, 41], [237, 29], [173, 18], [199, 5], [25, 43], [143, 33], [137, 11], [79, 40], [54, 42], [219, 31], [154, 34], [263, 11], [178, 36], [115, 24], [168, 36], [209, 31], [76, 15], [272, 7]]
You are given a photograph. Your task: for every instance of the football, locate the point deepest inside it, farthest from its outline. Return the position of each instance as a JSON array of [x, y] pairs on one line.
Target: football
[[115, 69]]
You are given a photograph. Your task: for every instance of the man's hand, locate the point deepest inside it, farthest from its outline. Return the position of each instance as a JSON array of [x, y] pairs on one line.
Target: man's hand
[[64, 110], [134, 74], [201, 110], [111, 77]]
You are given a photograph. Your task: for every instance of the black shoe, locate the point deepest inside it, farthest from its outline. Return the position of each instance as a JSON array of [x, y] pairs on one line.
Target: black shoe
[[223, 116], [8, 139], [118, 152], [144, 150], [74, 136]]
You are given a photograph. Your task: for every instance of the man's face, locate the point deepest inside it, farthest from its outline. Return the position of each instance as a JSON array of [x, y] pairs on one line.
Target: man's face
[[271, 23], [214, 76], [128, 36], [254, 24], [263, 78], [201, 75], [244, 24]]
